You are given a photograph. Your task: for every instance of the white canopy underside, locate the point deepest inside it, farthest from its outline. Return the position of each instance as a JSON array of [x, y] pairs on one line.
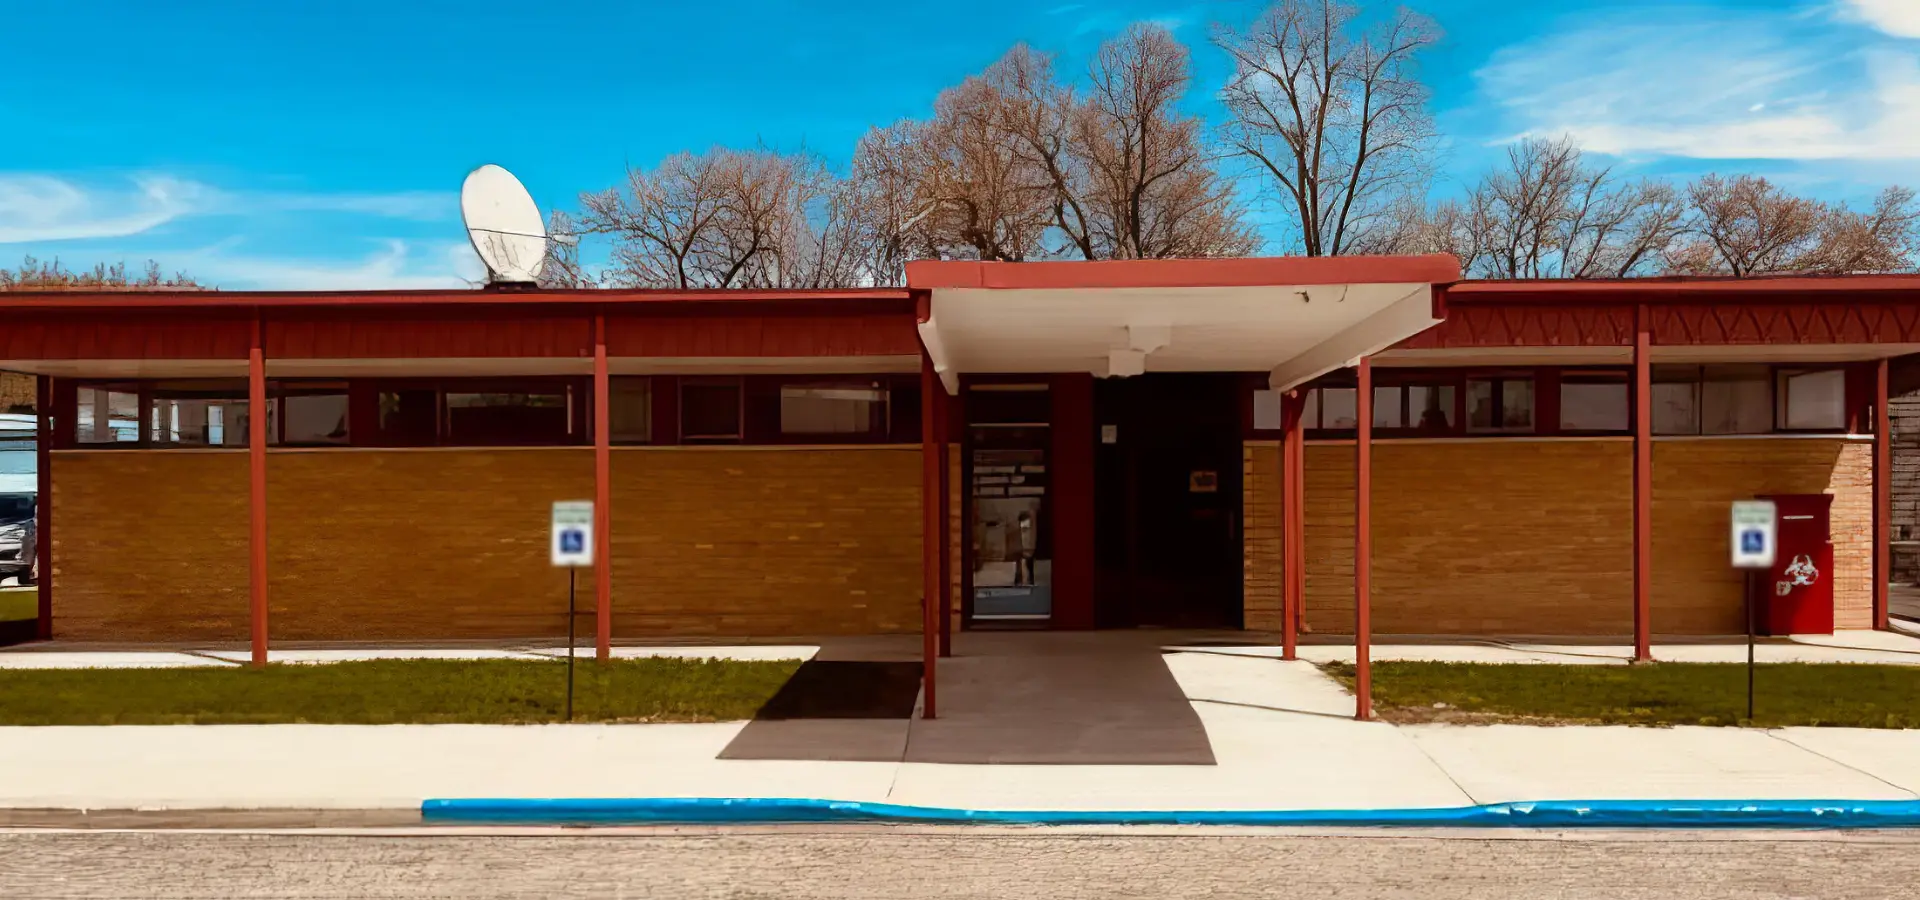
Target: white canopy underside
[[1295, 333]]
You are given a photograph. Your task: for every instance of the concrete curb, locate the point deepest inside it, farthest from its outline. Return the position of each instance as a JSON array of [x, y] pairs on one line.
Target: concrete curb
[[1793, 814]]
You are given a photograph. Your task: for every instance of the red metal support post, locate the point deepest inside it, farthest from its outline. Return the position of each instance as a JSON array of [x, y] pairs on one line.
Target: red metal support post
[[1298, 524], [930, 531], [1642, 487], [43, 503], [1363, 547], [257, 493], [1882, 496], [944, 435], [1291, 557], [602, 496]]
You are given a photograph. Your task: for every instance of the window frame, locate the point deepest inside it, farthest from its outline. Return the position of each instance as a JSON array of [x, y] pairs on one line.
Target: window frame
[[1499, 378], [739, 385], [1584, 375], [876, 432], [1782, 398]]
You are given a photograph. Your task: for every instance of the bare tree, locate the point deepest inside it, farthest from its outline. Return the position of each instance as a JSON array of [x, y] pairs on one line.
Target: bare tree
[[1549, 213], [562, 268], [1884, 239], [1745, 225], [1335, 116], [1152, 190], [1016, 165], [728, 219], [50, 275]]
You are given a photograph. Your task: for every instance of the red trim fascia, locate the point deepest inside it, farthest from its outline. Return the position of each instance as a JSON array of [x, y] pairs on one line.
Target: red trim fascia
[[1687, 289], [588, 298], [1182, 273]]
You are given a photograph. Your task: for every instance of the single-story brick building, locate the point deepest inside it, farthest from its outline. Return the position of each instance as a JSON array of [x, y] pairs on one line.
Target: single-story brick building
[[1221, 443]]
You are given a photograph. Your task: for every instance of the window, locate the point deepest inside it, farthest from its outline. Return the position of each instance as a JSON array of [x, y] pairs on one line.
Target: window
[[1711, 400], [630, 410], [107, 415], [1430, 408], [834, 408], [311, 415], [1500, 405], [1339, 408], [1812, 400], [1676, 400], [1268, 411], [710, 410], [1387, 411], [1418, 408], [409, 417], [480, 418], [198, 414], [1735, 400], [1595, 402]]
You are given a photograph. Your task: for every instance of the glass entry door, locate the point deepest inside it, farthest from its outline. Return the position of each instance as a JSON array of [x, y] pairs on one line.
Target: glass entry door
[[1010, 523]]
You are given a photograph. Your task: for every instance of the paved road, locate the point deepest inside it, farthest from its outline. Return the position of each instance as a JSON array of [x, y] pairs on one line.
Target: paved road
[[935, 863]]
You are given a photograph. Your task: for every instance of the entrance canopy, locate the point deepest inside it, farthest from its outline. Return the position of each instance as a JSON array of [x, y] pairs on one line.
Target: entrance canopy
[[1296, 318]]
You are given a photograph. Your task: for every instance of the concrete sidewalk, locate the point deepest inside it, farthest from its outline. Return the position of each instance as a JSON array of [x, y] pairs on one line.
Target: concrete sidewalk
[[1868, 647], [1280, 731]]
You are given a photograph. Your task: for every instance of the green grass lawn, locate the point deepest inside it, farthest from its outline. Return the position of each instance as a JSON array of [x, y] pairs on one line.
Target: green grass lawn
[[1861, 696], [23, 604], [394, 691]]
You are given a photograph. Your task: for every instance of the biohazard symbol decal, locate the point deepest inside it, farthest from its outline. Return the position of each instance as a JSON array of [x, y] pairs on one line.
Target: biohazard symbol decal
[[1800, 573]]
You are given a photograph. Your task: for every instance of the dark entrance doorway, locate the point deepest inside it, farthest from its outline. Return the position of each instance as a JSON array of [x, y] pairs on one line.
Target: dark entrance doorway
[[1167, 500]]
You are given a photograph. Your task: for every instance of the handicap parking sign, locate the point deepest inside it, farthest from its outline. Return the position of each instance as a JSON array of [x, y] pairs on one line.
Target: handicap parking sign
[[1754, 529], [573, 533]]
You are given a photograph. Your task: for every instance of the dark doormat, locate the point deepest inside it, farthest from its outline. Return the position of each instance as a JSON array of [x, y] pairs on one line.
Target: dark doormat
[[843, 711]]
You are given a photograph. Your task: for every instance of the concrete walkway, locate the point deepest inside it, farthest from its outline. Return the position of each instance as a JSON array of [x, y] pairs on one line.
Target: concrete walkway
[[1281, 735], [1882, 647]]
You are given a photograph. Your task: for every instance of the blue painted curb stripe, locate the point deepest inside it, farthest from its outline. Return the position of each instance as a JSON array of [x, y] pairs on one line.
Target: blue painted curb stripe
[[1541, 814]]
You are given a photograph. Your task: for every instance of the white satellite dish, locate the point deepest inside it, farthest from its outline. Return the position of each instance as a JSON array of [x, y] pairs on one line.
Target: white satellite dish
[[504, 224]]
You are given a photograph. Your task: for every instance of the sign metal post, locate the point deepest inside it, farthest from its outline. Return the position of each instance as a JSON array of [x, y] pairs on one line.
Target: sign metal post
[[572, 546], [1755, 533]]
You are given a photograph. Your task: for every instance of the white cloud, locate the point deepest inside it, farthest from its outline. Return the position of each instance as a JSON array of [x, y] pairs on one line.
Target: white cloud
[[37, 207], [1900, 18], [45, 208], [1712, 84], [397, 265]]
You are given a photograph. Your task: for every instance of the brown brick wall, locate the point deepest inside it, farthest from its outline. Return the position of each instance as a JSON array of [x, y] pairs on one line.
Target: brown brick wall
[[1461, 530], [766, 541], [431, 544], [420, 544], [1694, 590], [150, 546], [1261, 536]]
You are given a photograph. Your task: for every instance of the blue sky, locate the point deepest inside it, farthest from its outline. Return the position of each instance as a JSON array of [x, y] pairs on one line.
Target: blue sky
[[307, 144]]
